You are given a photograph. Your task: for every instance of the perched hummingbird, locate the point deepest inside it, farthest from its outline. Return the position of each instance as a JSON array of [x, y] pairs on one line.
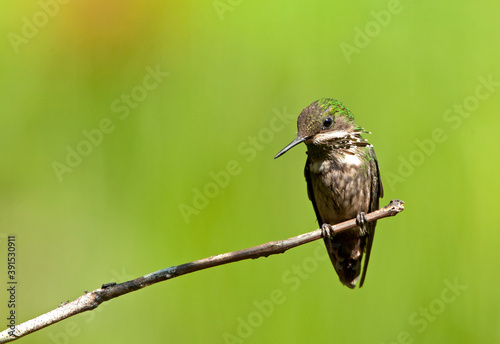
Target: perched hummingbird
[[343, 182]]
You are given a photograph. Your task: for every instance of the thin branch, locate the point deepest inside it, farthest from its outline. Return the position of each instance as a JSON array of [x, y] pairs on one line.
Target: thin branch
[[92, 300]]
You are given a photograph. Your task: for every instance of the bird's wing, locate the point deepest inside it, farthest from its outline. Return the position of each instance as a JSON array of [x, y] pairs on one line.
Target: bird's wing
[[328, 241], [376, 192], [310, 191]]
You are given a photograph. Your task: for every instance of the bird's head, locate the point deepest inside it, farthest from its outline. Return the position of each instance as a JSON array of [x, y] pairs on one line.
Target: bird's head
[[327, 122]]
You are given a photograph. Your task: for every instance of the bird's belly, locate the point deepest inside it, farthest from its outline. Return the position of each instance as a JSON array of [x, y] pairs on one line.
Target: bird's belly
[[340, 190]]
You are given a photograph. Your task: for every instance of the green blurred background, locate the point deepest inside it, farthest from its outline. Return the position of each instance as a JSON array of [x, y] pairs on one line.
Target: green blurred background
[[422, 76]]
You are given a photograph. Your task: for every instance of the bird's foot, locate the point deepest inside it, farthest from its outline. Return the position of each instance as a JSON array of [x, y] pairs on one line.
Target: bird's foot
[[327, 230], [361, 222]]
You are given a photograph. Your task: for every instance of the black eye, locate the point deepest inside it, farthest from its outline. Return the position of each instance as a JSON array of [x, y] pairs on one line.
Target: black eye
[[327, 123]]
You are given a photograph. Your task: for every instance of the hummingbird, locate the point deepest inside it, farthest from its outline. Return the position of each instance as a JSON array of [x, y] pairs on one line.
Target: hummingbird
[[343, 182]]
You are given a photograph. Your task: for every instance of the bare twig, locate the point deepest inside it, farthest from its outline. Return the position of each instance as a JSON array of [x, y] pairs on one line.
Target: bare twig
[[92, 300]]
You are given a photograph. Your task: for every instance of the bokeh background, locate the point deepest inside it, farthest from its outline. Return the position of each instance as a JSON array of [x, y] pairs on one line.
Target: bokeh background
[[176, 95]]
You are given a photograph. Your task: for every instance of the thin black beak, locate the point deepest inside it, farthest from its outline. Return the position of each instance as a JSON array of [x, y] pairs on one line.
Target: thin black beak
[[290, 145]]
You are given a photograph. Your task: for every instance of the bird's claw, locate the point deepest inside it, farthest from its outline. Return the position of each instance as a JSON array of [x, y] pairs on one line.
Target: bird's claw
[[361, 223], [327, 230]]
